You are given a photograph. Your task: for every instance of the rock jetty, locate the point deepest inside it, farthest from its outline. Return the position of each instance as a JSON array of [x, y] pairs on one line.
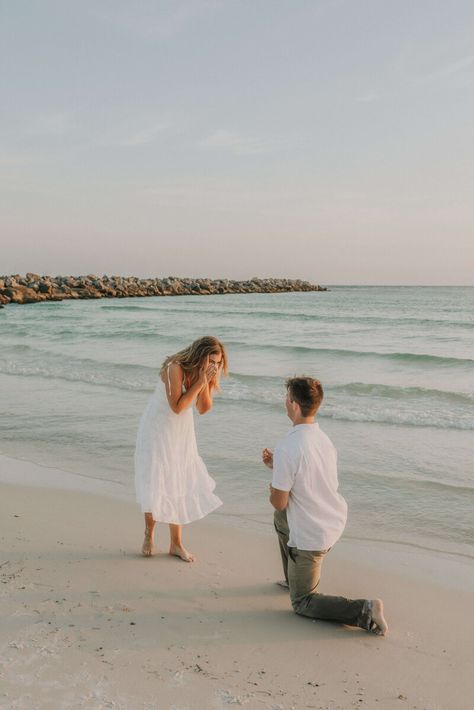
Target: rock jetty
[[33, 288]]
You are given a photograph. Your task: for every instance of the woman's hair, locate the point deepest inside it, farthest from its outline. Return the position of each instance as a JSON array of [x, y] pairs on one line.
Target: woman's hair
[[191, 358]]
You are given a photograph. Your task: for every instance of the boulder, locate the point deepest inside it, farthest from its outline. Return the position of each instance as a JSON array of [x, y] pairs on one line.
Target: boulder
[[44, 286], [22, 294]]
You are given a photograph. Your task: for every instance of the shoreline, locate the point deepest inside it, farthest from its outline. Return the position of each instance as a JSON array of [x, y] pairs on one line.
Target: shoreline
[[27, 473], [88, 622]]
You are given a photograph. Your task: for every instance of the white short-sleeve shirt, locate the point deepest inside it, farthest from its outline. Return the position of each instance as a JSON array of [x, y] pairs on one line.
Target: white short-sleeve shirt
[[305, 464]]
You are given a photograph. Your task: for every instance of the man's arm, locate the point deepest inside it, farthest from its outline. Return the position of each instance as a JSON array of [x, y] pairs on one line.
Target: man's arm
[[278, 498]]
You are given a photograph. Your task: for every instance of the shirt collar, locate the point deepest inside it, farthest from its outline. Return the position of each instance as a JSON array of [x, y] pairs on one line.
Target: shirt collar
[[303, 426]]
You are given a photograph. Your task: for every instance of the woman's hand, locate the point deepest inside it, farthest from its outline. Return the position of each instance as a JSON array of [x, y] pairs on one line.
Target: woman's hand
[[206, 383], [207, 372]]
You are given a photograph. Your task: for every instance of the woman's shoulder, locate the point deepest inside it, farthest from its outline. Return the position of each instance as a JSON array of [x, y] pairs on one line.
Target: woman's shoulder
[[172, 370], [175, 367]]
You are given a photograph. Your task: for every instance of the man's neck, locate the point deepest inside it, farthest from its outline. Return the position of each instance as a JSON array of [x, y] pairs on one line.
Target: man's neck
[[303, 420]]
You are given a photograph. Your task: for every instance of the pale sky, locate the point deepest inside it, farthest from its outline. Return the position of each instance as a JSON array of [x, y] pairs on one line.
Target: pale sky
[[330, 140]]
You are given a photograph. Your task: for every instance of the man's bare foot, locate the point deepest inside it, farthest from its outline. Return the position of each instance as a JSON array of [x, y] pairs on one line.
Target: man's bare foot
[[283, 583], [147, 548], [181, 552], [378, 626]]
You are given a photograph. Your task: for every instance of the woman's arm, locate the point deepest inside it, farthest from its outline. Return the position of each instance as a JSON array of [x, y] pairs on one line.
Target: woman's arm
[[204, 399], [173, 379]]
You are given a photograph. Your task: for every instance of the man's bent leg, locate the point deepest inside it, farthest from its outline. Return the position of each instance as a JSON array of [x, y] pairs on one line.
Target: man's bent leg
[[304, 572], [281, 526]]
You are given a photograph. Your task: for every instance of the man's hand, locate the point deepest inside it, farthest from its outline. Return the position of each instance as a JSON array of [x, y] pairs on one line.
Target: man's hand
[[267, 458]]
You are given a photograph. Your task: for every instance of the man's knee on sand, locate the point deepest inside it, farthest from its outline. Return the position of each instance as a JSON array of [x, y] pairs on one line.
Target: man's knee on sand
[[300, 602], [300, 606], [296, 604]]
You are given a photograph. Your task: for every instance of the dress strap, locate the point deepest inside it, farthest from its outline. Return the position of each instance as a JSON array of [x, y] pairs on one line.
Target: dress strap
[[168, 374]]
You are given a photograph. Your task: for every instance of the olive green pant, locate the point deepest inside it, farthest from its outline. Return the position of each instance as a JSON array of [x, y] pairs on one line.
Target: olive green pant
[[302, 570]]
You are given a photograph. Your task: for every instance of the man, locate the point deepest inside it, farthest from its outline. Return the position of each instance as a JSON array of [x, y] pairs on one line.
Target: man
[[310, 514]]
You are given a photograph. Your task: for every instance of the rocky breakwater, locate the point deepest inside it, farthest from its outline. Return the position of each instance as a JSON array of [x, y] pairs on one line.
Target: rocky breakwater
[[33, 288]]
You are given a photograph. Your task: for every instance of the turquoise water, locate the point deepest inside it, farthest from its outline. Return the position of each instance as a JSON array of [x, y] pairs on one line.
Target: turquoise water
[[397, 364]]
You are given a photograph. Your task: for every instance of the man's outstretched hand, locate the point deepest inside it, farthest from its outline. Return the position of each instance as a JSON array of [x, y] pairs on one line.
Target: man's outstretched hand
[[267, 458]]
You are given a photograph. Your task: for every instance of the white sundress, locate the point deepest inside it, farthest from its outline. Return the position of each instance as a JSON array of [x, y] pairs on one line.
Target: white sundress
[[171, 479]]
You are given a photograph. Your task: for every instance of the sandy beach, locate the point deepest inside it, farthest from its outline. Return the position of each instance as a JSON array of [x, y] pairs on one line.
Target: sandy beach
[[88, 623]]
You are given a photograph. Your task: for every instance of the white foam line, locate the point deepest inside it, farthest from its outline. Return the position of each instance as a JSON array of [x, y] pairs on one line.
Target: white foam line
[[27, 473]]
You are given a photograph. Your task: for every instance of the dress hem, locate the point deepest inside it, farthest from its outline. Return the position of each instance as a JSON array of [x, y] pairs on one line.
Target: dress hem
[[164, 519]]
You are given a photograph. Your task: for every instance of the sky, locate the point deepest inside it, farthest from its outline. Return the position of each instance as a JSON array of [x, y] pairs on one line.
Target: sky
[[328, 140]]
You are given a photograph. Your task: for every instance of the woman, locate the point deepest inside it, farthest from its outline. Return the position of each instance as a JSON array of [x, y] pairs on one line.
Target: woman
[[171, 480]]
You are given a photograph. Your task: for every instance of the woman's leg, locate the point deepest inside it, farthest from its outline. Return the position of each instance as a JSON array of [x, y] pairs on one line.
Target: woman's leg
[[147, 547], [176, 545]]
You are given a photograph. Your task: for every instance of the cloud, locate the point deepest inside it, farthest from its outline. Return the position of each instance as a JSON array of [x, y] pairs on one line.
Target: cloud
[[55, 123], [232, 142], [368, 98], [164, 20], [120, 137], [451, 68], [424, 65], [145, 137], [461, 70]]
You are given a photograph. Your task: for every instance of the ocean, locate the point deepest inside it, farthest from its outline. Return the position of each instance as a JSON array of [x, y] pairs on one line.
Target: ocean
[[396, 363]]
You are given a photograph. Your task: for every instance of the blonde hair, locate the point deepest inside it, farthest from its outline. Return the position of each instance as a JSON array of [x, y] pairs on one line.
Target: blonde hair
[[191, 358]]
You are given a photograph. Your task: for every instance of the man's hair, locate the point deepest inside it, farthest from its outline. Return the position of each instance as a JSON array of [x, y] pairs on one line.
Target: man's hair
[[307, 392]]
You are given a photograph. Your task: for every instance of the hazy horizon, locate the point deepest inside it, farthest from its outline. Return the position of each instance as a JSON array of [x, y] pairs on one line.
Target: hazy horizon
[[324, 140]]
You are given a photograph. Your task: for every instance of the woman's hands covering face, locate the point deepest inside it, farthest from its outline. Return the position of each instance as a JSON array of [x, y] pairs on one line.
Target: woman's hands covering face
[[208, 371]]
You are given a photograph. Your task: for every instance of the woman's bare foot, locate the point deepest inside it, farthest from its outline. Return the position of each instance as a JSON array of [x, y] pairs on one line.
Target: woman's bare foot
[[147, 548], [378, 626], [181, 552]]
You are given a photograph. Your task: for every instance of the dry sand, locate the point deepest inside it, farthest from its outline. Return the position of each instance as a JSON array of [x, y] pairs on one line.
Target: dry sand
[[89, 623]]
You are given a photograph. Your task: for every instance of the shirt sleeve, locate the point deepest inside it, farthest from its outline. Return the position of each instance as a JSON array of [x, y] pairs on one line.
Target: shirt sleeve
[[283, 471]]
